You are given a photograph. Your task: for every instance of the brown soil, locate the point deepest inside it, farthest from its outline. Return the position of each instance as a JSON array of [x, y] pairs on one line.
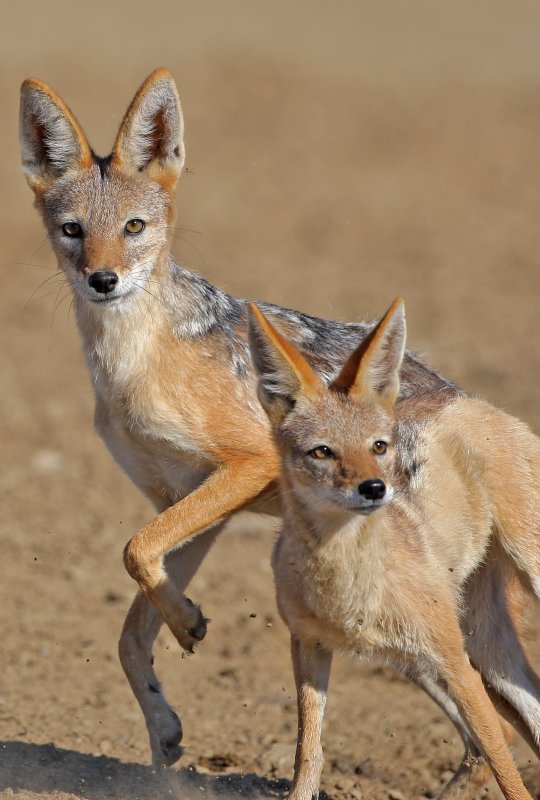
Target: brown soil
[[341, 154]]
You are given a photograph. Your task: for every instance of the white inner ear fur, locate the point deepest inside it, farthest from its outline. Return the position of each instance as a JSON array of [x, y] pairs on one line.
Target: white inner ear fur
[[383, 365], [276, 378], [139, 146], [279, 382], [49, 141]]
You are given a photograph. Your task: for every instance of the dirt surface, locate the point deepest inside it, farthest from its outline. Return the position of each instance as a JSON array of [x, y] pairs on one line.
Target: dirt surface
[[341, 154]]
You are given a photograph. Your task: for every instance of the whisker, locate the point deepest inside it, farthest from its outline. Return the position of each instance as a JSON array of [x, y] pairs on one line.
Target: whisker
[[136, 274], [425, 497], [57, 303], [73, 300], [194, 247], [63, 299], [398, 493], [183, 228], [43, 242], [46, 295], [56, 277], [144, 289], [33, 266]]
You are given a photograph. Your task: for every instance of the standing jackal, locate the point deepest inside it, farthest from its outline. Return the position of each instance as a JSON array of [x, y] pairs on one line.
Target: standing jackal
[[168, 356], [388, 510]]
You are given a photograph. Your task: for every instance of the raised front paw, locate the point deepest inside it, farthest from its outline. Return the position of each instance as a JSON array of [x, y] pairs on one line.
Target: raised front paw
[[196, 626], [184, 618]]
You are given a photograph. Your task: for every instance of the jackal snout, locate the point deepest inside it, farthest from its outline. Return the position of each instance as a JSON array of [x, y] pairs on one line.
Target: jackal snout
[[103, 281], [373, 490]]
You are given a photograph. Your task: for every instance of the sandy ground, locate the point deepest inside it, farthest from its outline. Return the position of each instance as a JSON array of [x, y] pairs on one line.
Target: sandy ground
[[341, 154]]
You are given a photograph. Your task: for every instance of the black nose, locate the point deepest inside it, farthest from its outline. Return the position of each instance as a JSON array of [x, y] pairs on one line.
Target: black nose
[[103, 281], [373, 489]]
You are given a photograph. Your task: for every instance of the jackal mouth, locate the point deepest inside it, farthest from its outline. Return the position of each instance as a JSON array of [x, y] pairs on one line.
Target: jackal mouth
[[106, 299], [109, 299], [369, 509]]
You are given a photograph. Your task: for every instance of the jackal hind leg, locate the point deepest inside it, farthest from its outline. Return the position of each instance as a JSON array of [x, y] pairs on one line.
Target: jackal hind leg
[[141, 627], [465, 687], [494, 602], [473, 772]]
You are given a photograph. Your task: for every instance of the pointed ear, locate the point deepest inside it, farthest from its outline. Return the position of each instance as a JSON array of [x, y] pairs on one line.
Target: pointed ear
[[151, 136], [372, 370], [52, 140], [284, 374]]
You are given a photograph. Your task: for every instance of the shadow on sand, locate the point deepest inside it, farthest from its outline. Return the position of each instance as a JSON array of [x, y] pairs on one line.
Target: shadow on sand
[[46, 769]]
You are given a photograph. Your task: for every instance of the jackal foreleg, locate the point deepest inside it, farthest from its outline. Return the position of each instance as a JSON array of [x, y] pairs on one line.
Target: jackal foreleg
[[231, 487], [311, 664]]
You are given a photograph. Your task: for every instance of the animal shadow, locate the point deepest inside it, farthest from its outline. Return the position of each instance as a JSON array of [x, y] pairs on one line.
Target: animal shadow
[[46, 769]]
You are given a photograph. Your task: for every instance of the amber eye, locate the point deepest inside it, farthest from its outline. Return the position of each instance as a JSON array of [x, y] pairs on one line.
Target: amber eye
[[379, 447], [72, 229], [134, 226], [322, 451]]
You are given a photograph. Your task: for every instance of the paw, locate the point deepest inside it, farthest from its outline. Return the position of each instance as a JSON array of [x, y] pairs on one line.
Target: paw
[[184, 619], [165, 744], [198, 623], [195, 626], [171, 751]]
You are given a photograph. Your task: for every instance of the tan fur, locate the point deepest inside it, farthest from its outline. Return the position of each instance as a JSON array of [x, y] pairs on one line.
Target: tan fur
[[382, 569], [177, 411]]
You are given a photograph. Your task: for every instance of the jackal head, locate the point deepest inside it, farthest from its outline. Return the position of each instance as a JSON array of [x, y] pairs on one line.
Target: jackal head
[[336, 441], [107, 218]]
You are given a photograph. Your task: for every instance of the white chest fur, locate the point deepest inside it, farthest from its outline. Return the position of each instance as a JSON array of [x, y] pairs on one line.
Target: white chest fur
[[148, 435], [339, 583]]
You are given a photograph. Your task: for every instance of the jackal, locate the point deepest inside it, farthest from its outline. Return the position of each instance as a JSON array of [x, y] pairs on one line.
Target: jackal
[[389, 509], [169, 360]]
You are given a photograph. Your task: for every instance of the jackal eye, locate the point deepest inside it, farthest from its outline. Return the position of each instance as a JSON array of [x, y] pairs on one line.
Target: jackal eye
[[72, 229], [379, 447], [134, 226], [322, 451]]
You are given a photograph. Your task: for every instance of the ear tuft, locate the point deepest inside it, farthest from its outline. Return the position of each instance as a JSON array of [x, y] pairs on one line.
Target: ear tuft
[[372, 370], [151, 135], [52, 140], [284, 374]]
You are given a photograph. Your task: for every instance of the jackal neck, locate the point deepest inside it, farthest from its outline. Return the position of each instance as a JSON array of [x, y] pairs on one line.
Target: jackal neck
[[117, 339], [176, 305], [194, 306]]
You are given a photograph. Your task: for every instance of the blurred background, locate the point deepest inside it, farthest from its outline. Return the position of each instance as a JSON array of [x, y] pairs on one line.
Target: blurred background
[[340, 154]]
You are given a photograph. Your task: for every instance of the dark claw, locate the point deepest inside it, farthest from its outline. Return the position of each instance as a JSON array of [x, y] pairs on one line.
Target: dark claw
[[198, 632]]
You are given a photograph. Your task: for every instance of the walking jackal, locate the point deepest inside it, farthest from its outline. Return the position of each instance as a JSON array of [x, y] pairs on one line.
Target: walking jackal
[[169, 359], [389, 509]]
